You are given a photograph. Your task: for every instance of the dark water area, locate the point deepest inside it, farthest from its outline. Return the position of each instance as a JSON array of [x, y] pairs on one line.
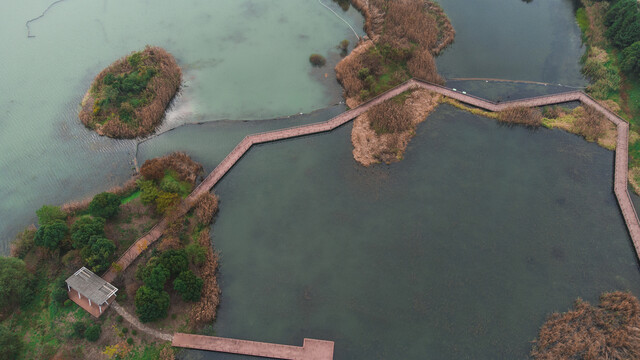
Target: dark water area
[[460, 251], [517, 40]]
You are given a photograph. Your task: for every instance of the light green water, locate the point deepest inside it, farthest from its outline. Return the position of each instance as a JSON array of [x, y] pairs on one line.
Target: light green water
[[241, 60]]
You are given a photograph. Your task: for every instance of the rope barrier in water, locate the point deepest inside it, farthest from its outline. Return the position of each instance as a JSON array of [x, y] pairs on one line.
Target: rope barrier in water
[[515, 81], [336, 14], [36, 18]]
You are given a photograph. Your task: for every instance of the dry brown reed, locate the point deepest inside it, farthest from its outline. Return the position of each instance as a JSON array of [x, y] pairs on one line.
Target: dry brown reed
[[390, 116], [608, 331], [591, 123], [521, 115], [403, 32], [205, 310], [162, 87], [206, 206], [187, 169]]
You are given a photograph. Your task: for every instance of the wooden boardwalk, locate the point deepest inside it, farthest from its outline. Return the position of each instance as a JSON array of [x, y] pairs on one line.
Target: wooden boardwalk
[[621, 159], [311, 350]]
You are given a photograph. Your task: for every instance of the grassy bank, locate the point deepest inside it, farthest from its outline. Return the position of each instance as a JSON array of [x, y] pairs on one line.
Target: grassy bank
[[128, 98], [602, 63], [172, 286]]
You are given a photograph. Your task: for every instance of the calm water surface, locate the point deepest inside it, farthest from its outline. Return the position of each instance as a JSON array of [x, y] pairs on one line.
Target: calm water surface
[[459, 251]]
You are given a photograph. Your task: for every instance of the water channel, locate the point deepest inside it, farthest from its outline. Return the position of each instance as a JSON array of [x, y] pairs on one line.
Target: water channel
[[459, 251]]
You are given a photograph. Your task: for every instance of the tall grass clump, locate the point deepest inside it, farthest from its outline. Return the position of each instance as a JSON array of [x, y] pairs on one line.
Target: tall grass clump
[[521, 115], [607, 331], [591, 123], [128, 98], [389, 117]]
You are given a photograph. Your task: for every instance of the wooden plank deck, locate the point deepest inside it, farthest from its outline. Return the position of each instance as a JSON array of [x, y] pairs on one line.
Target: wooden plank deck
[[621, 159], [311, 349]]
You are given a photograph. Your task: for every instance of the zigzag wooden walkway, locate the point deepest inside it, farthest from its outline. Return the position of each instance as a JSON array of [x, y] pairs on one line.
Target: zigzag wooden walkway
[[621, 159]]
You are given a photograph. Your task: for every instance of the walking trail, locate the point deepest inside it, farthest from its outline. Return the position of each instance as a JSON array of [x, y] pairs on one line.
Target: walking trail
[[249, 348]]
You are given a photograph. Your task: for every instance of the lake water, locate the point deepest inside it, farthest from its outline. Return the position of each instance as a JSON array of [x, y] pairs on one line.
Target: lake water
[[458, 251]]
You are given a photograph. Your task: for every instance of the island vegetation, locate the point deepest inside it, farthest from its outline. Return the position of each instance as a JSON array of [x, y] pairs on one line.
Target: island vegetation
[[128, 98], [610, 330], [404, 36], [172, 287]]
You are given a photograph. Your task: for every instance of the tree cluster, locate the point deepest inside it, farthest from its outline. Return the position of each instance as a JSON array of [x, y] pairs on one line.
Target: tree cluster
[[623, 30]]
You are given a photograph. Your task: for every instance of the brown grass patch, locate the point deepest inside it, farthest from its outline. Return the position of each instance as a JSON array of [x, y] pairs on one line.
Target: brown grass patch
[[205, 310], [608, 331], [186, 168], [409, 109], [591, 123], [158, 93], [521, 115], [206, 206]]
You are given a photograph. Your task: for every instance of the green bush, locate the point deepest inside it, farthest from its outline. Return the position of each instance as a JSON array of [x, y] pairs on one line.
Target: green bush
[[23, 243], [148, 191], [175, 261], [68, 302], [93, 332], [130, 341], [317, 60], [166, 201], [84, 228], [50, 234], [170, 185], [47, 214], [151, 304], [158, 277], [125, 330], [59, 295], [105, 205], [631, 59], [188, 285], [134, 332], [119, 319], [196, 254], [77, 329], [10, 343], [15, 283], [98, 255]]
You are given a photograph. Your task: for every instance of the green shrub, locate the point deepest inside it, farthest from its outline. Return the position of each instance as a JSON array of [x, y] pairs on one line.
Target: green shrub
[[59, 295], [196, 254], [175, 261], [158, 277], [15, 283], [130, 341], [125, 330], [317, 60], [151, 304], [170, 185], [105, 205], [68, 302], [84, 228], [93, 332], [188, 285], [134, 332], [77, 329], [10, 343], [631, 59], [50, 234], [47, 214], [98, 255], [166, 201], [148, 191]]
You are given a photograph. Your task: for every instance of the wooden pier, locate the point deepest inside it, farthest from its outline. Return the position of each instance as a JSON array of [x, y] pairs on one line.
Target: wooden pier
[[310, 350]]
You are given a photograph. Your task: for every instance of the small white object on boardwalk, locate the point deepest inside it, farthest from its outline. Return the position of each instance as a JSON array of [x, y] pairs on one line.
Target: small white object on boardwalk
[[311, 349]]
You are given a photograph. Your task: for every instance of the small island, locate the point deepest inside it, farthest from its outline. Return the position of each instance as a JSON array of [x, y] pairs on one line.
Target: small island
[[128, 98]]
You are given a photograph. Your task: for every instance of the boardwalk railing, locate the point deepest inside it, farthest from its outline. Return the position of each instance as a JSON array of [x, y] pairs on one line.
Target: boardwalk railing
[[621, 159]]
